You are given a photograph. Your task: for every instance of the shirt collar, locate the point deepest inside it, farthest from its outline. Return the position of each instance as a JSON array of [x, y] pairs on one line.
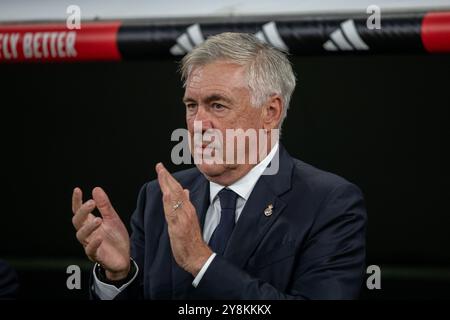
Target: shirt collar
[[244, 186]]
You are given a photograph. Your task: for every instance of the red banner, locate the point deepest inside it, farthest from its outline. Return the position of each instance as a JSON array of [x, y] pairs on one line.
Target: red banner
[[436, 32], [55, 42]]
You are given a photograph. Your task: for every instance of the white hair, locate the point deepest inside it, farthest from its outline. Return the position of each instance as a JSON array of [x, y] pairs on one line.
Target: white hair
[[268, 69]]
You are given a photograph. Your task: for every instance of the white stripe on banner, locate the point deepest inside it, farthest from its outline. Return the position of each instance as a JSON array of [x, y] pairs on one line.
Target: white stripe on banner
[[184, 42], [350, 31], [196, 34], [260, 36], [176, 50], [273, 36], [329, 45], [339, 39]]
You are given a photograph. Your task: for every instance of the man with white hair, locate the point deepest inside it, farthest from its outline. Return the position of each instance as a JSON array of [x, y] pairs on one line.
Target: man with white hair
[[274, 228]]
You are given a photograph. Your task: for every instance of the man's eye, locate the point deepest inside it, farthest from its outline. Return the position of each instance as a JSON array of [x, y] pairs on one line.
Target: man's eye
[[191, 106], [218, 106]]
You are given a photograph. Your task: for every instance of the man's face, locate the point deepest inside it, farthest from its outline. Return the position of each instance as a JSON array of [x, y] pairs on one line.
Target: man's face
[[217, 96]]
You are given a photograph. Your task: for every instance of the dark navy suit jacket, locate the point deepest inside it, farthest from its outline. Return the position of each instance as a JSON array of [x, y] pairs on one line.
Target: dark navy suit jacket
[[8, 282], [311, 247]]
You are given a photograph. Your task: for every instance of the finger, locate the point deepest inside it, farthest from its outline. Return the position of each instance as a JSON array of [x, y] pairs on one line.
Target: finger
[[173, 184], [188, 206], [87, 229], [82, 213], [186, 198], [162, 179], [165, 183], [169, 197], [92, 247], [77, 199], [170, 183], [184, 210], [169, 211], [103, 204]]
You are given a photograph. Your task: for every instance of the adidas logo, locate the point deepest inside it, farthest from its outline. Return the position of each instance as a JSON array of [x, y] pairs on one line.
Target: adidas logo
[[345, 38], [188, 40], [269, 34], [194, 36]]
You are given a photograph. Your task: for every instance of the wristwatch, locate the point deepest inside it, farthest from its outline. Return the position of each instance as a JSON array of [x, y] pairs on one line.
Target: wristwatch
[[101, 275]]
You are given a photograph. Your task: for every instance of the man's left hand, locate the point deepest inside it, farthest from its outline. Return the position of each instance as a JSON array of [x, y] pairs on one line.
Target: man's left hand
[[188, 248]]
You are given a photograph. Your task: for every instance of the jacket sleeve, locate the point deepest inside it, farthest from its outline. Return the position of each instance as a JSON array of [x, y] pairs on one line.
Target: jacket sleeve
[[9, 284], [329, 265]]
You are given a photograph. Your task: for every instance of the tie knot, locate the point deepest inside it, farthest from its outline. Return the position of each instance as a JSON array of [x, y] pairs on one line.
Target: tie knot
[[227, 199]]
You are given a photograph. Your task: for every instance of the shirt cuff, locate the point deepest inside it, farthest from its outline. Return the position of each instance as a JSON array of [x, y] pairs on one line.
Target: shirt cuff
[[203, 270], [108, 291]]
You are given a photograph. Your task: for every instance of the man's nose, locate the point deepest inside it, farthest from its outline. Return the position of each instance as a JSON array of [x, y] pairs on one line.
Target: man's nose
[[204, 117]]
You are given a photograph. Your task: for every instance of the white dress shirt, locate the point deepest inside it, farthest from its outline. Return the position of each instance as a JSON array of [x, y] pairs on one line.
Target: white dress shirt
[[243, 187]]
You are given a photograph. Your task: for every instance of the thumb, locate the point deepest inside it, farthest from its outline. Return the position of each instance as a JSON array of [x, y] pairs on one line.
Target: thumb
[[103, 204]]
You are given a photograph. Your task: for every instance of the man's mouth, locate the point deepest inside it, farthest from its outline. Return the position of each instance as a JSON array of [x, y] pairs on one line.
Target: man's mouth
[[205, 148]]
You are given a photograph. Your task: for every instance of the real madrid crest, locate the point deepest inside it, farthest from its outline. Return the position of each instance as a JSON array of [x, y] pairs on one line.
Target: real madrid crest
[[268, 210]]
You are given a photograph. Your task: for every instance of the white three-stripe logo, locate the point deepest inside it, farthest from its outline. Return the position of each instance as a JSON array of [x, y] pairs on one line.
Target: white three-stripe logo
[[188, 40], [269, 34], [345, 38], [193, 37]]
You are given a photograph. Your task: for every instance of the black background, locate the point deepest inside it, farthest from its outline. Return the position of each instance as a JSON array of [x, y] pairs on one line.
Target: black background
[[379, 121]]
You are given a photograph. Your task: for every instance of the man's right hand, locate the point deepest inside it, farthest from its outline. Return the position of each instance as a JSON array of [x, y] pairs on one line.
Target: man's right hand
[[105, 240]]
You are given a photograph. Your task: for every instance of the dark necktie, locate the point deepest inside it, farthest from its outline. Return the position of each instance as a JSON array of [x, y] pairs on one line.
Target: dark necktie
[[221, 235]]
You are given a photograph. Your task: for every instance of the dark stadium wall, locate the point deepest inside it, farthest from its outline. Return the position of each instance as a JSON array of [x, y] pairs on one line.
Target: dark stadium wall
[[376, 120]]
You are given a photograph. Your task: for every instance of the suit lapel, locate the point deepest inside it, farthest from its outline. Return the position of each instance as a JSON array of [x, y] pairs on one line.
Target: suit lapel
[[253, 224]]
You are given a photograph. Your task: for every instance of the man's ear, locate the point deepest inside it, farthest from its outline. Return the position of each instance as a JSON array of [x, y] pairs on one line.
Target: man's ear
[[272, 112]]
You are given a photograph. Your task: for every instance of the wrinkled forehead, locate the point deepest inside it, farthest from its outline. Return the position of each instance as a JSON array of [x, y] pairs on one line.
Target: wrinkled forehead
[[225, 75]]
